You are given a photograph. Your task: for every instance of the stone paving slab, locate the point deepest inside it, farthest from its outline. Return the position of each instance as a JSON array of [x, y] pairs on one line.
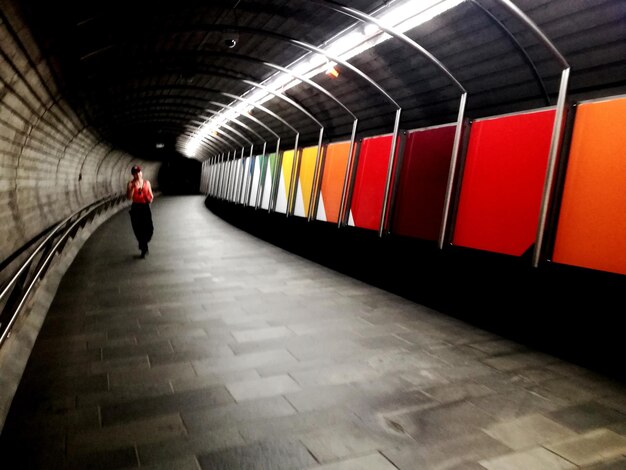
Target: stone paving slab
[[592, 447], [460, 451], [369, 462], [222, 351], [529, 431], [533, 458]]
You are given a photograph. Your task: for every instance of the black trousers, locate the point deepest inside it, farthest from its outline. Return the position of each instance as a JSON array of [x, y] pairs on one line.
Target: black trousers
[[141, 220]]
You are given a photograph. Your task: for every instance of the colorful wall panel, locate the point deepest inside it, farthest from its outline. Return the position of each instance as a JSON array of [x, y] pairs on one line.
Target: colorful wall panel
[[421, 193], [255, 169], [335, 164], [502, 183], [591, 230], [212, 175], [224, 179], [234, 193], [225, 176], [245, 178], [269, 177], [239, 166], [218, 183], [369, 184], [308, 158], [225, 172], [229, 180], [284, 181], [220, 179]]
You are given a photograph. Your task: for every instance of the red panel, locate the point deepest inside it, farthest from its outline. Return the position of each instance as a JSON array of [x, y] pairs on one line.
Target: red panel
[[503, 182], [423, 180], [369, 184]]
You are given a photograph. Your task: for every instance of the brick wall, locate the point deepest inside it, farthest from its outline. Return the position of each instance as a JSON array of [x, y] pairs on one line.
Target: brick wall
[[51, 163]]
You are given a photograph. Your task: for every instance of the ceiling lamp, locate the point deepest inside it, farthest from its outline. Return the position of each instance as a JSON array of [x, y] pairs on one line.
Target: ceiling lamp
[[332, 70]]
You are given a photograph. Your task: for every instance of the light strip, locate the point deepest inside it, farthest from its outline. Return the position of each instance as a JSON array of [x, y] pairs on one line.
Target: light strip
[[402, 18]]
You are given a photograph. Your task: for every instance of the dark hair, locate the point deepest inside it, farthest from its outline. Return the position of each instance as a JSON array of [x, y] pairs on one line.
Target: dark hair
[[135, 169]]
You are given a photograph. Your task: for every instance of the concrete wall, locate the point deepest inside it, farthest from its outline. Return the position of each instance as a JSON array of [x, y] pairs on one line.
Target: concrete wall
[[51, 163]]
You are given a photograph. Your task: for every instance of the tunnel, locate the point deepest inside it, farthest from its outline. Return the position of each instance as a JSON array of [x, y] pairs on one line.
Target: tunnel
[[382, 234]]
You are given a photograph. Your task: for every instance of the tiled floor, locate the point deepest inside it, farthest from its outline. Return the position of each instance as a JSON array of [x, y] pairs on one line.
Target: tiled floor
[[222, 351]]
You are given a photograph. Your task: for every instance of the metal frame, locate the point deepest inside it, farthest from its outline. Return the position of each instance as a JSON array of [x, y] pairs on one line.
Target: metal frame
[[274, 187], [519, 47], [226, 126], [312, 48], [292, 184], [225, 106], [261, 188], [214, 142], [244, 176], [225, 176], [225, 158], [314, 195], [359, 15], [211, 161], [254, 166], [314, 191], [248, 128], [271, 113], [557, 132], [292, 103]]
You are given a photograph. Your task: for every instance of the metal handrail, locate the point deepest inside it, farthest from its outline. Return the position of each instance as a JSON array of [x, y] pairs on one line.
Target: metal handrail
[[15, 292]]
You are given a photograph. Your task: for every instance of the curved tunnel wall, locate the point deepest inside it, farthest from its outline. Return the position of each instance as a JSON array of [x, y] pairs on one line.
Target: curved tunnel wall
[[51, 162]]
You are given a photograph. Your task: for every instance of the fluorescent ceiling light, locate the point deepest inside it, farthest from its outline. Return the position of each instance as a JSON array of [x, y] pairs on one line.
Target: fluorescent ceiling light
[[401, 16]]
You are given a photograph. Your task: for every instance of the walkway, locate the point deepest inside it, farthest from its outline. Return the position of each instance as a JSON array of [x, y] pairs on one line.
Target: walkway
[[222, 351]]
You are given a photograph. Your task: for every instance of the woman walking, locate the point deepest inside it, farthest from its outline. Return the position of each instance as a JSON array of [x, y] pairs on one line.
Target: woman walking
[[140, 192]]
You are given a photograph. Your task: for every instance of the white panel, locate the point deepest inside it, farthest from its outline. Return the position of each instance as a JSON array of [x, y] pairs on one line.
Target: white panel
[[281, 199], [255, 180], [245, 162], [267, 188], [299, 208], [321, 210]]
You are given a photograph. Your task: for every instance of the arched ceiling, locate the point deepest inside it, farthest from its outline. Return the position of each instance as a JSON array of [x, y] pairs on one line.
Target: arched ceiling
[[143, 73]]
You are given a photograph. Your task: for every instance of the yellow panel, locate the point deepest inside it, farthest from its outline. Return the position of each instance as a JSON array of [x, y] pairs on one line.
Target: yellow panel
[[307, 173], [286, 171]]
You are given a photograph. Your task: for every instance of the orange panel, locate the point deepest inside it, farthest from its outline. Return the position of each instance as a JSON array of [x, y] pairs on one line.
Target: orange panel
[[591, 231], [333, 178]]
